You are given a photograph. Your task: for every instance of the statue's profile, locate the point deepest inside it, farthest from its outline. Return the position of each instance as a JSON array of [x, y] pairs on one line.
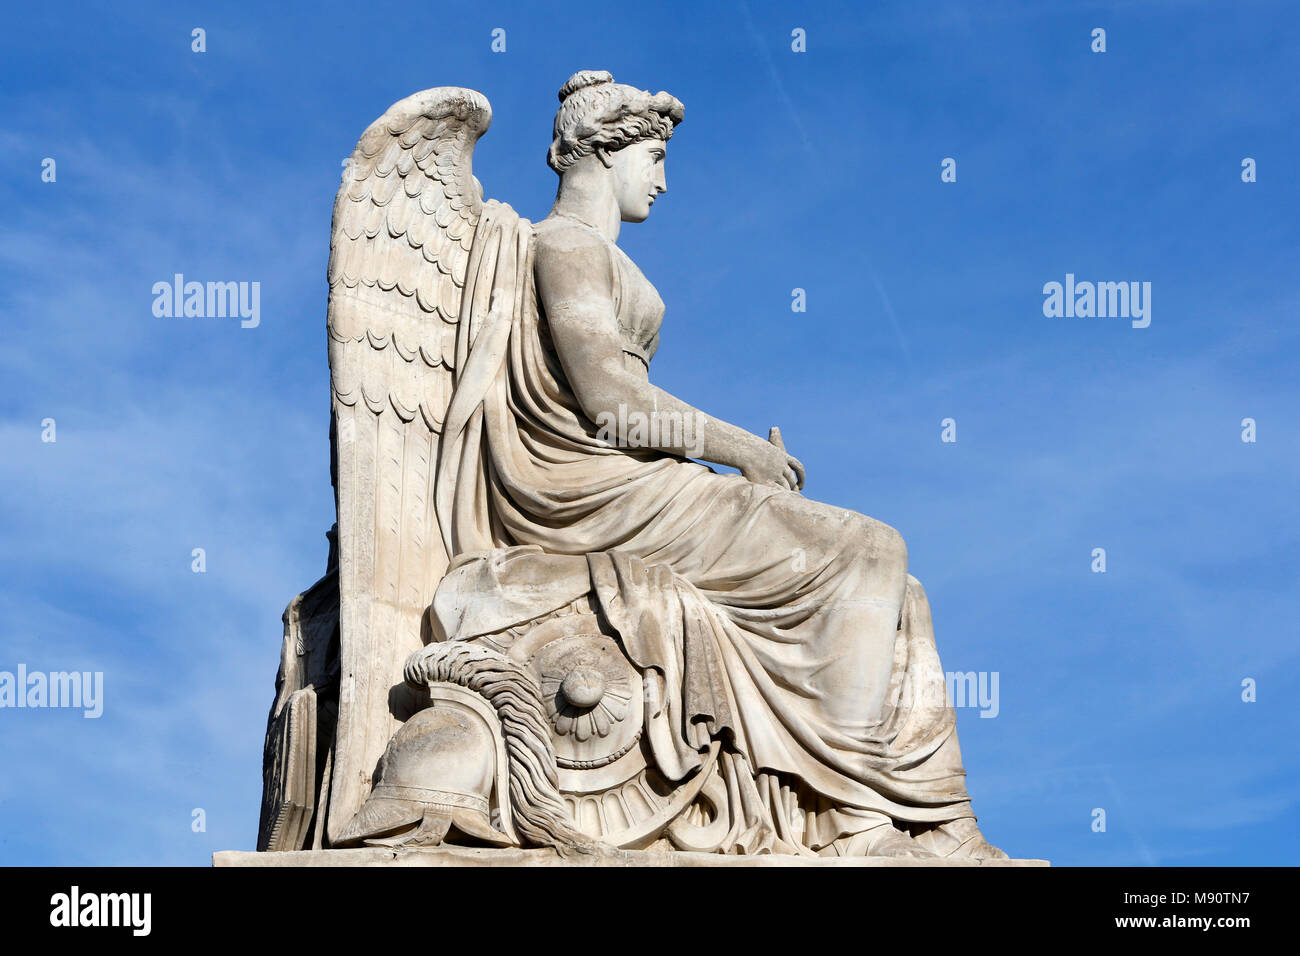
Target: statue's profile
[[543, 622]]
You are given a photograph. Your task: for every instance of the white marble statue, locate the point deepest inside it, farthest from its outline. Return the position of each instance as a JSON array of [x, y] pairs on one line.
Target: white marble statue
[[545, 623]]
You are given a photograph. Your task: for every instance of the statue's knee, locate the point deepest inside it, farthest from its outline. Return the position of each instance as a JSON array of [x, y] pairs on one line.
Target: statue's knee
[[886, 546]]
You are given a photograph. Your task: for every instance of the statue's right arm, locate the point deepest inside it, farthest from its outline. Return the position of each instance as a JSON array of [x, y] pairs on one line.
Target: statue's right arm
[[575, 292]]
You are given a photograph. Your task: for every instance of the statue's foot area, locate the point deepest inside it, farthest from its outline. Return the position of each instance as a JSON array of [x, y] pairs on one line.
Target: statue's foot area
[[884, 839], [959, 839]]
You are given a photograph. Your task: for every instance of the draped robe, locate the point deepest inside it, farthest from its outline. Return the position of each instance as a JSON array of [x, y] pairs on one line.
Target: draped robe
[[740, 641]]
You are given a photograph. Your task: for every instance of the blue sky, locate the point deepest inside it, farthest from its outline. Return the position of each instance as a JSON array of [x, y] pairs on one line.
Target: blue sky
[[816, 170]]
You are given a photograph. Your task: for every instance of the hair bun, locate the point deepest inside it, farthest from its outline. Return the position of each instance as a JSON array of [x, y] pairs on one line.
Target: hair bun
[[583, 79]]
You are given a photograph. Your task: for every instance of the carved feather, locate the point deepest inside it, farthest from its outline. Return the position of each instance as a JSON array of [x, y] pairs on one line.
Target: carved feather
[[404, 222]]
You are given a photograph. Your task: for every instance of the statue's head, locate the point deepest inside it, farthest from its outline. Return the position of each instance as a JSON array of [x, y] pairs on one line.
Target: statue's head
[[621, 128]]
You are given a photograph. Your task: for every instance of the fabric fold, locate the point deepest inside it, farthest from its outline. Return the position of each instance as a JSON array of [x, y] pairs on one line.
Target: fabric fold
[[762, 619]]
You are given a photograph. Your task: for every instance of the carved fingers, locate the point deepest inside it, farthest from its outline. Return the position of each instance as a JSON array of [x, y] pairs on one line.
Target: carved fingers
[[797, 472]]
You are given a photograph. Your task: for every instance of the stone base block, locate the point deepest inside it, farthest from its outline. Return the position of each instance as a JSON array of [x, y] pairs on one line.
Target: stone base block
[[474, 856]]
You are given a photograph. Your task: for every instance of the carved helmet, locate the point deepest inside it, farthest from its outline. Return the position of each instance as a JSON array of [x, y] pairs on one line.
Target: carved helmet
[[437, 777]]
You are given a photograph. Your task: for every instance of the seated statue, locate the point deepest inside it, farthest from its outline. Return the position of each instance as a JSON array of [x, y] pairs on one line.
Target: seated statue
[[555, 626]]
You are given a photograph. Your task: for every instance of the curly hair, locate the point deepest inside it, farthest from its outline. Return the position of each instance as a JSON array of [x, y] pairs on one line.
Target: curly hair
[[598, 114]]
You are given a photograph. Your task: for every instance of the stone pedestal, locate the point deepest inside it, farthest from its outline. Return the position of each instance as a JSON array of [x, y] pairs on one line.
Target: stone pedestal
[[473, 856]]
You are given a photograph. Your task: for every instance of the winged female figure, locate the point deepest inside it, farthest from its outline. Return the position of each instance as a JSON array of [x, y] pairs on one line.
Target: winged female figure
[[477, 363]]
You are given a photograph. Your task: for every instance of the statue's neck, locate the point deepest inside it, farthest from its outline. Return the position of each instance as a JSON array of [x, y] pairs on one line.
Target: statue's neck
[[586, 194]]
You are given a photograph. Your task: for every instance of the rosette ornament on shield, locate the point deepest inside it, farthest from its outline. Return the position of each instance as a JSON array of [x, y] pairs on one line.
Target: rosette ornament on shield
[[540, 631]]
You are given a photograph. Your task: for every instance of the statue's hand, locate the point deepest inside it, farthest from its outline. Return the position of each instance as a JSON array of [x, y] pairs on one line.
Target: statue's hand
[[800, 474], [768, 464]]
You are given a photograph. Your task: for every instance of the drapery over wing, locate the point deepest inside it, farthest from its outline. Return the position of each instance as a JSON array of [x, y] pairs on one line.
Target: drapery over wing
[[404, 222]]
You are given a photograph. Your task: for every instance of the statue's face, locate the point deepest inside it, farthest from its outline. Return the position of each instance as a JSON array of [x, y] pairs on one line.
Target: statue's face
[[639, 177]]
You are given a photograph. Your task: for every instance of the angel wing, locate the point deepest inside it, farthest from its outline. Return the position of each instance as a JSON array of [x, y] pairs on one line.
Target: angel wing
[[404, 222]]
